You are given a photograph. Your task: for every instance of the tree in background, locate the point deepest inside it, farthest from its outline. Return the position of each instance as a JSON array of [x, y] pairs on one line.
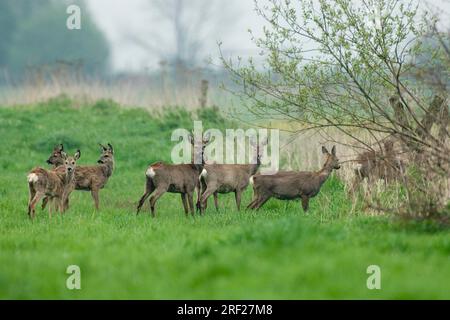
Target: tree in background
[[36, 35], [354, 66], [190, 25]]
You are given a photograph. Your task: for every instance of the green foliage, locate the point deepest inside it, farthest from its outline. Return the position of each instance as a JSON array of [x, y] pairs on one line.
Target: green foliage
[[278, 252]]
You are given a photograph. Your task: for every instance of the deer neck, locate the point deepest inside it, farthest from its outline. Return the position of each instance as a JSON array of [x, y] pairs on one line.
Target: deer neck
[[65, 177], [324, 173], [107, 169], [253, 168]]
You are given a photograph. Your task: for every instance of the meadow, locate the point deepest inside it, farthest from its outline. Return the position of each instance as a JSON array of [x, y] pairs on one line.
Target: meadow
[[276, 253]]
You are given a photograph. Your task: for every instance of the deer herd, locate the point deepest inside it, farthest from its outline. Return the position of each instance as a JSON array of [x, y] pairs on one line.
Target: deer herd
[[54, 186]]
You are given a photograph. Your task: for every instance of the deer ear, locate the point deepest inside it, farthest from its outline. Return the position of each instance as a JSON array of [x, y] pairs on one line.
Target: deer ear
[[207, 138], [103, 147], [77, 155], [63, 155], [111, 148], [325, 151], [333, 151], [60, 147]]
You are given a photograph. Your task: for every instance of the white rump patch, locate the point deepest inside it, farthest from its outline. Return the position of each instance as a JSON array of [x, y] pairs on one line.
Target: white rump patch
[[32, 178], [150, 172], [204, 173]]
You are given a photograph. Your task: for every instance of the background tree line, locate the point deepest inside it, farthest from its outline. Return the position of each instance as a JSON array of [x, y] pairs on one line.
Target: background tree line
[[34, 35]]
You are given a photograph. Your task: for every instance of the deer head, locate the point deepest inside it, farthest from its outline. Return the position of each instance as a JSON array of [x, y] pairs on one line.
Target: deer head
[[70, 162], [56, 158], [331, 161], [198, 153], [107, 156]]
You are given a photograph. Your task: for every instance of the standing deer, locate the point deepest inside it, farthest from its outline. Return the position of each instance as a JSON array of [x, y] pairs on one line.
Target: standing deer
[[56, 185], [88, 178], [174, 178], [373, 164], [290, 185], [226, 178]]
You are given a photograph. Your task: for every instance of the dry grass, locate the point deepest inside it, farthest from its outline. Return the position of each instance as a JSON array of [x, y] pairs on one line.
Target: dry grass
[[137, 91], [303, 152]]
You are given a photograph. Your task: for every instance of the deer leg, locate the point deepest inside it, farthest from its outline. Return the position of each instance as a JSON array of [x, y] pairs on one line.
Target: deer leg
[[305, 203], [32, 208], [185, 204], [66, 204], [253, 203], [254, 199], [190, 197], [250, 205], [216, 201], [208, 192], [94, 193], [237, 195], [51, 206], [262, 200], [44, 203], [202, 188], [158, 193], [199, 196], [30, 199], [149, 188]]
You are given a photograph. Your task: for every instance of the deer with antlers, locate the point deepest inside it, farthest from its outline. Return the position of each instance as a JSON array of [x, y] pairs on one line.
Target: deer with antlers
[[226, 178], [175, 178]]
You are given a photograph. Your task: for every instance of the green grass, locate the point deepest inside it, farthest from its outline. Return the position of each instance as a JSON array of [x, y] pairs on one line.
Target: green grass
[[276, 253]]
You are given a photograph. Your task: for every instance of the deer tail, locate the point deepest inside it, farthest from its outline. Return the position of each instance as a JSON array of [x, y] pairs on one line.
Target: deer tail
[[150, 173], [32, 178]]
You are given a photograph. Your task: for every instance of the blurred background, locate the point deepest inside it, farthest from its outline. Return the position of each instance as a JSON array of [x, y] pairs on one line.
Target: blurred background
[[146, 53]]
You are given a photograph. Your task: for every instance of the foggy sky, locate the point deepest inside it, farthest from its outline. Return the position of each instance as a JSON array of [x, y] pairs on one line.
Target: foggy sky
[[119, 19]]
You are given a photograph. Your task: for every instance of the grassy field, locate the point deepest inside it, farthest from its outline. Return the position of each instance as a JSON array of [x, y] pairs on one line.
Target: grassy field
[[276, 253]]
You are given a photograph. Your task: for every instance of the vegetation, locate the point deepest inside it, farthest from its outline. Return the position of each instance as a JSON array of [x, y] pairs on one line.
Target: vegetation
[[35, 36], [278, 252], [377, 67]]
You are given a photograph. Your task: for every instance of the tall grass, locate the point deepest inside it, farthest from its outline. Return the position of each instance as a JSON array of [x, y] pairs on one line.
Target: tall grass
[[151, 91]]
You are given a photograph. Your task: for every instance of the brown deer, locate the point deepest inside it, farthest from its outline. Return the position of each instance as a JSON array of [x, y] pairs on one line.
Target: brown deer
[[381, 164], [56, 185], [88, 178], [226, 178], [290, 185], [174, 178]]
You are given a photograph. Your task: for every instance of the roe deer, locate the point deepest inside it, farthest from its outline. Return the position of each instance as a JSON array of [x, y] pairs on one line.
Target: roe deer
[[174, 178], [289, 185], [89, 178], [226, 178], [382, 164], [56, 185]]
